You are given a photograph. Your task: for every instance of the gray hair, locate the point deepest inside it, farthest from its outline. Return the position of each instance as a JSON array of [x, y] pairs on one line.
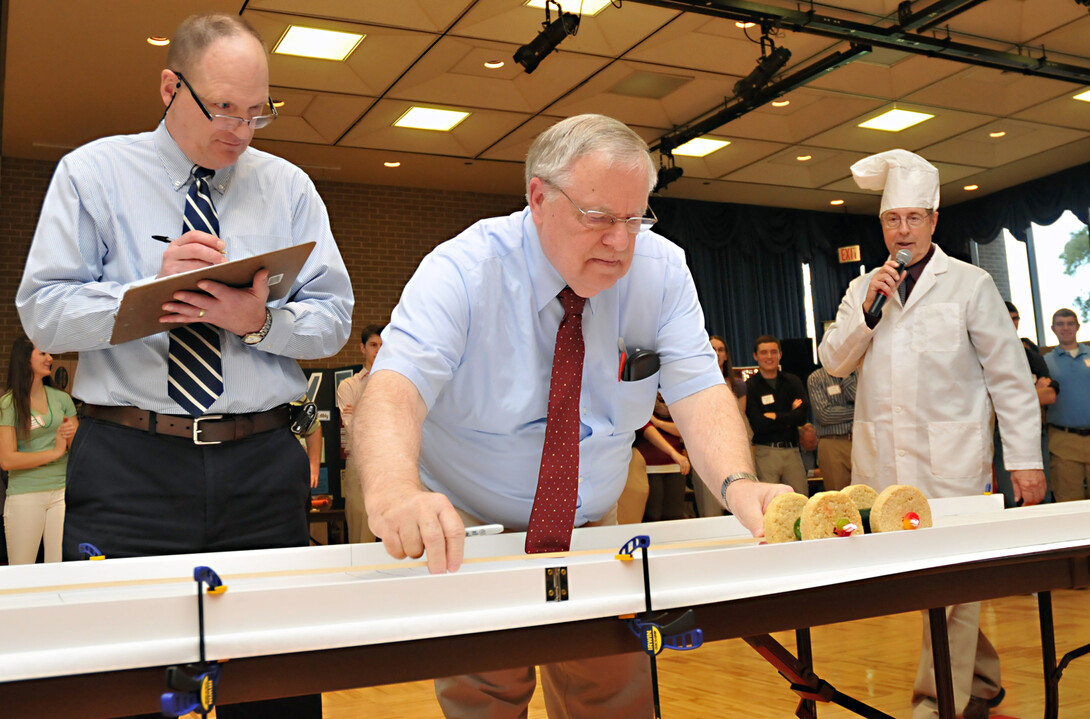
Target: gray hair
[[553, 153], [197, 32]]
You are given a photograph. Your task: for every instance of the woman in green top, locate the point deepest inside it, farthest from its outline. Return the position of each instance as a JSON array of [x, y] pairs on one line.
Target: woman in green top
[[37, 423]]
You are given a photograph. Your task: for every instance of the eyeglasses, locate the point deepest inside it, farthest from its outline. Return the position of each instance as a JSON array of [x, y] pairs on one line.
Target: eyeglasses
[[229, 123], [892, 221], [598, 220]]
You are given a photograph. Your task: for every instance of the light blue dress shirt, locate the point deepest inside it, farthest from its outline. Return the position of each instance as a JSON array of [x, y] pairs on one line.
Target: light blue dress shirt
[[1072, 406], [93, 242], [475, 332]]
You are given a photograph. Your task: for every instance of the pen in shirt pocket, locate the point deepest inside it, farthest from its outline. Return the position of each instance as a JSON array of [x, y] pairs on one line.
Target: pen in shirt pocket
[[168, 240], [623, 355]]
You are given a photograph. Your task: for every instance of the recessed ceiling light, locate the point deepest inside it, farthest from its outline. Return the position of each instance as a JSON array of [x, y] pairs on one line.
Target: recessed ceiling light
[[780, 103], [744, 25], [970, 188], [1084, 96], [700, 147], [836, 202], [316, 43], [391, 164], [494, 64], [996, 134], [804, 158], [158, 41], [427, 118], [278, 103], [895, 120], [587, 8]]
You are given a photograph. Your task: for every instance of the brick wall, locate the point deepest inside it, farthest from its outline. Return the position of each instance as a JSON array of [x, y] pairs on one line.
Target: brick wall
[[383, 232]]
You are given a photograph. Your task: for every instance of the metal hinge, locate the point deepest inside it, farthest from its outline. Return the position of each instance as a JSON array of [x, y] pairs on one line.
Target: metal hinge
[[556, 584]]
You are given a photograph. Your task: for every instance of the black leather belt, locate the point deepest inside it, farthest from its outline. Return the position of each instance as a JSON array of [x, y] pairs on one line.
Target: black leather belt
[[1081, 431], [209, 429], [778, 445]]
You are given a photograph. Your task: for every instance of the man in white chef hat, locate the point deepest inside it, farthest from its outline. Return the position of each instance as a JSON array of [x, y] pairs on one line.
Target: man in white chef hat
[[936, 351]]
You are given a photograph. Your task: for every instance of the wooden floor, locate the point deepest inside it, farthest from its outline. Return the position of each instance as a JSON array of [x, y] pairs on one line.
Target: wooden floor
[[873, 660]]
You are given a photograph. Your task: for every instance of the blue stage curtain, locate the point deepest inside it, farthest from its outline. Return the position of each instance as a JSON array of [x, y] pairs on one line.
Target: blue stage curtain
[[745, 258]]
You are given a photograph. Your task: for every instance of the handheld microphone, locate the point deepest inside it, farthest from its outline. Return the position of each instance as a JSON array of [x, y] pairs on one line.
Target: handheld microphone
[[903, 258]]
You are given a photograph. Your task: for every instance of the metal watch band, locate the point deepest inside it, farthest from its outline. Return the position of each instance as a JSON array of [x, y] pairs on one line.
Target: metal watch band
[[253, 338], [734, 478]]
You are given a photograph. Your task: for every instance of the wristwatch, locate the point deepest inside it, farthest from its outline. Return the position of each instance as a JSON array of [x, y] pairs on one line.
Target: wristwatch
[[252, 338], [734, 478]]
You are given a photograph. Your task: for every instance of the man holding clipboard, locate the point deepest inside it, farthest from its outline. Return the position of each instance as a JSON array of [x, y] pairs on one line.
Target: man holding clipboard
[[185, 443]]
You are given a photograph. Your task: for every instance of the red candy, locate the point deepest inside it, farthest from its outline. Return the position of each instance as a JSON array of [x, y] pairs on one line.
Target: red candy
[[844, 528], [911, 521]]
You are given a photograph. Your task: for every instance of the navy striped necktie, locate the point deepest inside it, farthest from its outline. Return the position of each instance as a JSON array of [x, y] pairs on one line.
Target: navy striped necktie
[[194, 365]]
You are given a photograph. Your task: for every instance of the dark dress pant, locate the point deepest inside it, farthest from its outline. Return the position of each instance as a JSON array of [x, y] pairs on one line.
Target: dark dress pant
[[135, 494]]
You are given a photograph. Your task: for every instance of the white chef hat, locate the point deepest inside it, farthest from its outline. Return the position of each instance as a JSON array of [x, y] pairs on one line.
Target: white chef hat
[[907, 180]]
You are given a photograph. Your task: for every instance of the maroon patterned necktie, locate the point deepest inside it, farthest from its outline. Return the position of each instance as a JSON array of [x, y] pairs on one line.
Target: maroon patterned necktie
[[553, 514]]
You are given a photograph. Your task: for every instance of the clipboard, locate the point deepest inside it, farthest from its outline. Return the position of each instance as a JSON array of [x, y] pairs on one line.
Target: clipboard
[[141, 306]]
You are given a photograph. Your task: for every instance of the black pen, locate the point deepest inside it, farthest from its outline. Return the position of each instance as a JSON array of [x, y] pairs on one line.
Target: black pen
[[164, 238]]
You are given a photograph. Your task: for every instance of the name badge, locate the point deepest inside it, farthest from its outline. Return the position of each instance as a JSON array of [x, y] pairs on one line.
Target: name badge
[[767, 399], [833, 390]]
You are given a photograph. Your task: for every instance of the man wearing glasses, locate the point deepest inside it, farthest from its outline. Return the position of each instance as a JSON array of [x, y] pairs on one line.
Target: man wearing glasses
[[143, 479], [460, 397], [932, 364]]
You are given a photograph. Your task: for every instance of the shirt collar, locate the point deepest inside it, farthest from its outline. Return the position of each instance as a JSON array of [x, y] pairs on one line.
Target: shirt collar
[[178, 166], [544, 278], [917, 269]]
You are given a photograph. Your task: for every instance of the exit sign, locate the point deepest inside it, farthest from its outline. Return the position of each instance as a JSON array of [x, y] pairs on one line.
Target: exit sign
[[849, 254]]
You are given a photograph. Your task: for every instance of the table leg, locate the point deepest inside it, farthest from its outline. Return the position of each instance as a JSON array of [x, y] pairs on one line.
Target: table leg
[[940, 651]]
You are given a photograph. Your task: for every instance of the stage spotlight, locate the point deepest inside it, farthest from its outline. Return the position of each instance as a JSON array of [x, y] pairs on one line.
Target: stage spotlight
[[766, 68], [668, 172], [532, 53]]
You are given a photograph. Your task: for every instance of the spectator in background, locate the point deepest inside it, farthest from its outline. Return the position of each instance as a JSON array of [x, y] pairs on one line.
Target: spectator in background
[[736, 384], [1047, 389], [349, 393], [37, 423], [776, 407], [833, 401], [706, 503], [1069, 415], [661, 445]]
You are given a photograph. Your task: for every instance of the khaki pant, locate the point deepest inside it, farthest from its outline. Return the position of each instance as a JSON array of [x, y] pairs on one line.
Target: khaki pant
[[31, 519], [782, 466], [834, 454], [355, 515], [613, 687], [974, 663], [634, 497], [1069, 465]]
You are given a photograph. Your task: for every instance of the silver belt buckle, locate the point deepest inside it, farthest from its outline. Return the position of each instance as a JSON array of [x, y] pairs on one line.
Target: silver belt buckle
[[196, 428]]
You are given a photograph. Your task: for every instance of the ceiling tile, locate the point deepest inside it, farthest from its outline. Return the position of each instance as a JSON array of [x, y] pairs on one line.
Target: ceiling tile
[[453, 72], [944, 124], [1003, 93], [1022, 140], [426, 15], [314, 117], [376, 63], [473, 135]]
